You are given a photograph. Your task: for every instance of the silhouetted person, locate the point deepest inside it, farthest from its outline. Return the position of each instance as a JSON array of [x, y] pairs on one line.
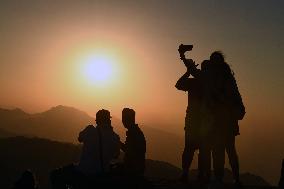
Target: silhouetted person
[[193, 140], [281, 182], [27, 181], [227, 108], [134, 146], [100, 146]]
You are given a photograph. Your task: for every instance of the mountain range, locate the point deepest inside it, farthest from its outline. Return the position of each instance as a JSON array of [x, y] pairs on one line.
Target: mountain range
[[62, 123], [260, 151]]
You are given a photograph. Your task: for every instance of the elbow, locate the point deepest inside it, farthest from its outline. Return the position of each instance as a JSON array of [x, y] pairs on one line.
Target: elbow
[[177, 86]]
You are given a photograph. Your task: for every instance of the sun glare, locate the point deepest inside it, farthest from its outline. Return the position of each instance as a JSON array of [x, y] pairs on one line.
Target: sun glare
[[98, 69]]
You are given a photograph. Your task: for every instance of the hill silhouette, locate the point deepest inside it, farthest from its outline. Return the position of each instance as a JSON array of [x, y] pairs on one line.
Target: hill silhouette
[[63, 123], [59, 123], [4, 133], [42, 155]]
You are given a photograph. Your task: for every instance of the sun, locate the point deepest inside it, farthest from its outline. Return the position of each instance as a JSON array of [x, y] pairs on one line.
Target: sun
[[98, 69]]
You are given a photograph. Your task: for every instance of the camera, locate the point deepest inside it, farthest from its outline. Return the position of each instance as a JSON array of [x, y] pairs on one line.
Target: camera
[[184, 48]]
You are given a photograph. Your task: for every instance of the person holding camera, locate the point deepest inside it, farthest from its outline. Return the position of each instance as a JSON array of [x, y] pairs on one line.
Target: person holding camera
[[193, 139]]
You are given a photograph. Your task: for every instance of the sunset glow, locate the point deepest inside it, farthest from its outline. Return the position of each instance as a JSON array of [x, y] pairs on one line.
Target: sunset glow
[[98, 69], [63, 61]]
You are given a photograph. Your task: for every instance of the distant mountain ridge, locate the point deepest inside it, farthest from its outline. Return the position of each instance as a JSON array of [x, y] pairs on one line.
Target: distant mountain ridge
[[63, 123], [59, 123], [5, 134], [258, 150]]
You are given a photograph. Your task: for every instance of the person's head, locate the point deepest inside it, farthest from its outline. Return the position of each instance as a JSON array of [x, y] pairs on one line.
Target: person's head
[[217, 57], [103, 117], [223, 68], [128, 117], [87, 134]]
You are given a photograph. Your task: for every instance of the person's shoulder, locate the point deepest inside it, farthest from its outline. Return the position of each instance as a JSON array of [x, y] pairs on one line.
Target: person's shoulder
[[139, 131]]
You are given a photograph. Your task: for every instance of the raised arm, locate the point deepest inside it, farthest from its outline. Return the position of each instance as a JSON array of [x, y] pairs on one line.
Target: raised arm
[[182, 83]]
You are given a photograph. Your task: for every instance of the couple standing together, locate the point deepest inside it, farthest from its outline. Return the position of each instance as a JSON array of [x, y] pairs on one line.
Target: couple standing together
[[211, 123]]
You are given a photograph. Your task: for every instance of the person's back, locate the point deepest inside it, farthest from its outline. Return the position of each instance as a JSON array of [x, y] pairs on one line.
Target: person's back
[[88, 160]]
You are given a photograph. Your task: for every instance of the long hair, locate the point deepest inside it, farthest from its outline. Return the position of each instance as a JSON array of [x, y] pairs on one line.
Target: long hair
[[217, 57], [226, 76]]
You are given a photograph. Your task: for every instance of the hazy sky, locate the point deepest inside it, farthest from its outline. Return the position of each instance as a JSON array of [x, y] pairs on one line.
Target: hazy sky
[[40, 42]]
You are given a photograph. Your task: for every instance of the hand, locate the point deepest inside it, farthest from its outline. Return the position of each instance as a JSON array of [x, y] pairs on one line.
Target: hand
[[189, 63], [182, 57]]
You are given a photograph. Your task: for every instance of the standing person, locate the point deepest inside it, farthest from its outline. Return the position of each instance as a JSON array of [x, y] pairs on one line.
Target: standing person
[[134, 146], [193, 140], [227, 108]]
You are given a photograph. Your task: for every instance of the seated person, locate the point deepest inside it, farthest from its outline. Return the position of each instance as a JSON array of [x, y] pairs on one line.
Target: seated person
[[100, 146]]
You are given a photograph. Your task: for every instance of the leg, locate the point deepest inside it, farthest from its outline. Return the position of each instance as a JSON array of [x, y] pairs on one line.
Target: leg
[[218, 153], [233, 157], [187, 155], [204, 161]]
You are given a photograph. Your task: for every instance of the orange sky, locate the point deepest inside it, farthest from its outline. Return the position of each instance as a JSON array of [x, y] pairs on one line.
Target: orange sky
[[41, 40]]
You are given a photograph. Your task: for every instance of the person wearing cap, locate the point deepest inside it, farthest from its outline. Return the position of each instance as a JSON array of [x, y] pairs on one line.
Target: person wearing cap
[[109, 141], [100, 146], [134, 146]]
